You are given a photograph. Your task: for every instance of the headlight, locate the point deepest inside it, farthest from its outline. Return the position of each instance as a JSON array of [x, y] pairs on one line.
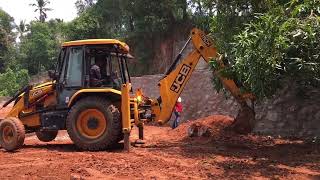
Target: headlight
[[139, 99]]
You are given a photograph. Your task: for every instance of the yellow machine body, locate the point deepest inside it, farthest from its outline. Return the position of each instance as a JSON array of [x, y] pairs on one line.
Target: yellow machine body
[[43, 92], [135, 109], [84, 92]]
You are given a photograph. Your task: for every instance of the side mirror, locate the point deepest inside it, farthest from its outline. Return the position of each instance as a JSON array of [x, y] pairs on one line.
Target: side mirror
[[51, 74]]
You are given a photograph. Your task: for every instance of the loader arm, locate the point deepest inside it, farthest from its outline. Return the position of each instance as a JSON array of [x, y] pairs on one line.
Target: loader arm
[[175, 80]]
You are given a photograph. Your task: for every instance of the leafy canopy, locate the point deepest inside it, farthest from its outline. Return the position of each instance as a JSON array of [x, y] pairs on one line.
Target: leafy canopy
[[276, 46]]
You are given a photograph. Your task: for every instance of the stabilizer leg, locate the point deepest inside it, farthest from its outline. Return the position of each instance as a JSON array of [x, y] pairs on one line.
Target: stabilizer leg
[[141, 135], [139, 142], [127, 141]]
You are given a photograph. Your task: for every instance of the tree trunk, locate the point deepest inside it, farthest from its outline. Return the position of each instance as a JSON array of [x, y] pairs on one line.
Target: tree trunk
[[131, 23], [244, 122]]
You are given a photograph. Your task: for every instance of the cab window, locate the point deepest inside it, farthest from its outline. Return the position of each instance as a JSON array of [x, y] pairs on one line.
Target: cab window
[[74, 69], [60, 65]]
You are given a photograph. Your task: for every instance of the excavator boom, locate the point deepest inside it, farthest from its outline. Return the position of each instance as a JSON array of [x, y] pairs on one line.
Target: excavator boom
[[176, 78], [135, 110]]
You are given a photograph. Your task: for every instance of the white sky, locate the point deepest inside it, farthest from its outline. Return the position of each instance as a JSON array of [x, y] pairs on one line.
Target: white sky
[[21, 10]]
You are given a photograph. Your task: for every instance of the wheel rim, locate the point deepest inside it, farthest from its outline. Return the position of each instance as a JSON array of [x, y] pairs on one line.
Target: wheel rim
[[91, 123], [8, 134]]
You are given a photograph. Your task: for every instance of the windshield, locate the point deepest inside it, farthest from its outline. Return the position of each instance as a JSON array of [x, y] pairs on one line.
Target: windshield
[[59, 65]]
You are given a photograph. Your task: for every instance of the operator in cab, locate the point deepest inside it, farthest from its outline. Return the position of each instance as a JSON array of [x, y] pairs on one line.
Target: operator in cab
[[95, 74]]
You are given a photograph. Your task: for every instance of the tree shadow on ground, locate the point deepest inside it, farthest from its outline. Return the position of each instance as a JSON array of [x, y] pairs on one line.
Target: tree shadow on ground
[[263, 156], [249, 155], [63, 147]]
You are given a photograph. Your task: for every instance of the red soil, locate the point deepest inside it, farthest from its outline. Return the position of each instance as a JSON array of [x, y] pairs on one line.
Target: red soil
[[168, 154]]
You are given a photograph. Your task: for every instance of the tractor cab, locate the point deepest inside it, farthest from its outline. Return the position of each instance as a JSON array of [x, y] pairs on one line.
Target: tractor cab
[[91, 64]]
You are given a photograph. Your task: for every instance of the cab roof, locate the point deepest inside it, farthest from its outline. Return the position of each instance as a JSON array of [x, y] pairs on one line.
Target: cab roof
[[123, 46]]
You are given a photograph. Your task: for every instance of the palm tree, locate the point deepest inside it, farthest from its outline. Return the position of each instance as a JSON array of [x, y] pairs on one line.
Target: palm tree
[[41, 7], [82, 5], [22, 28]]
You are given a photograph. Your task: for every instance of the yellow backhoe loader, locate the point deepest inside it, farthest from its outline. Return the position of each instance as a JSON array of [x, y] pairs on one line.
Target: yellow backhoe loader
[[91, 97]]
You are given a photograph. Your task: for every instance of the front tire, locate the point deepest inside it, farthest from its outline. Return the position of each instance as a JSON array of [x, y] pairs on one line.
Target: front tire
[[46, 136], [93, 123], [12, 133]]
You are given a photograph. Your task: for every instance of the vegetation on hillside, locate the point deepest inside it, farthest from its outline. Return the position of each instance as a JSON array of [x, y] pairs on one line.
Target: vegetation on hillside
[[264, 42], [142, 24]]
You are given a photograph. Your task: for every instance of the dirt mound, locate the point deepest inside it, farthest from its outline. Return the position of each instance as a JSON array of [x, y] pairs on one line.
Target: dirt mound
[[219, 133], [216, 125]]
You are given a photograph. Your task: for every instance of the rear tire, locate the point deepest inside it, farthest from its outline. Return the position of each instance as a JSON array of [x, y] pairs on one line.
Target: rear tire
[[93, 123], [46, 136], [12, 133]]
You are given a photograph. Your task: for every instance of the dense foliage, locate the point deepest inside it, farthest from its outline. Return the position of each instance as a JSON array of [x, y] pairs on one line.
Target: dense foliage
[[39, 48], [279, 45], [11, 81], [264, 42], [33, 47], [142, 24], [7, 39]]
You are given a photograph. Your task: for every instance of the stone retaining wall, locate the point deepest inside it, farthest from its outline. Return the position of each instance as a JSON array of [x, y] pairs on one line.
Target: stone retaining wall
[[289, 113]]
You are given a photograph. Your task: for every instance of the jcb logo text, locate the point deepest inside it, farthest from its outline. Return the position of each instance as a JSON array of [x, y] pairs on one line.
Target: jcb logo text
[[178, 82], [208, 42]]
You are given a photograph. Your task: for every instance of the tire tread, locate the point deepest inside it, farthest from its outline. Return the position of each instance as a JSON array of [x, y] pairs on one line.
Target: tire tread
[[20, 131], [114, 133]]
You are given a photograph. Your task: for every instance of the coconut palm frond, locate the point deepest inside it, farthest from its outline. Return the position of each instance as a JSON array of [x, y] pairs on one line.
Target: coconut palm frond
[[47, 9], [41, 8]]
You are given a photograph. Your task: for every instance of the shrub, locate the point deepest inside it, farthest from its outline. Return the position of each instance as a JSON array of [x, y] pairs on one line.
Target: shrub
[[11, 81]]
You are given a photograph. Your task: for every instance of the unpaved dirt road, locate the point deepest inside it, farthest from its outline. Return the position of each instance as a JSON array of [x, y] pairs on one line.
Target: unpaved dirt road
[[168, 154]]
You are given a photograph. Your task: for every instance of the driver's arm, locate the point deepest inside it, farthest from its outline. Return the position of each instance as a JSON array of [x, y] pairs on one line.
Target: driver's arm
[[96, 71]]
